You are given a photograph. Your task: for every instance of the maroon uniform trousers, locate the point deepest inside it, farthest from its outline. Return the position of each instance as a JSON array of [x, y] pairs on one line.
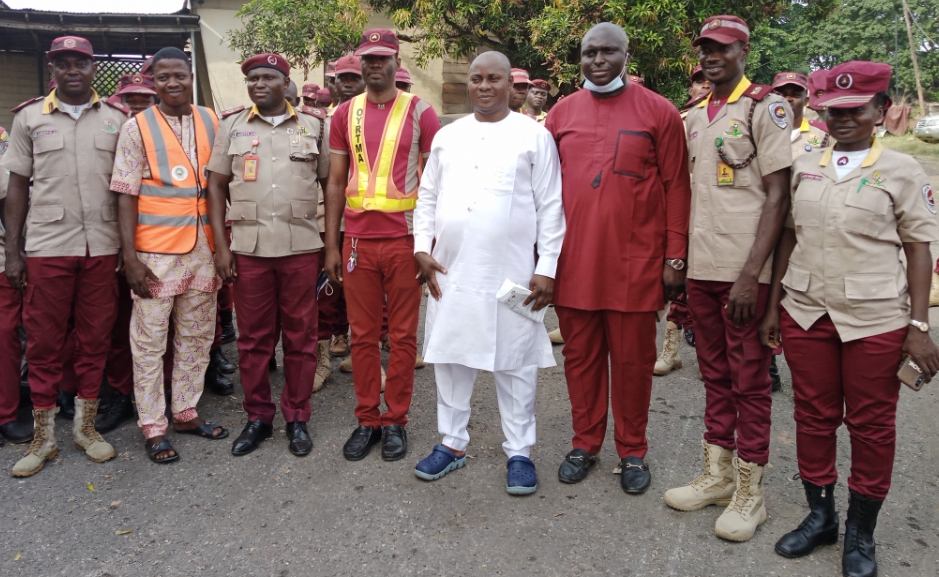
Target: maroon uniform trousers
[[265, 289], [735, 367], [679, 313], [120, 361], [608, 358], [854, 382], [385, 268], [57, 286], [11, 308]]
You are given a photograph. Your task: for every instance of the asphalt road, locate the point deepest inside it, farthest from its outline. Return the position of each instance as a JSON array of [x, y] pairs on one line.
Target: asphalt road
[[272, 514]]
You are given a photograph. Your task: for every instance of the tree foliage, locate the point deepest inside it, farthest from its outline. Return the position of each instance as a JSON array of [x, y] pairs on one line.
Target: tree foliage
[[306, 32]]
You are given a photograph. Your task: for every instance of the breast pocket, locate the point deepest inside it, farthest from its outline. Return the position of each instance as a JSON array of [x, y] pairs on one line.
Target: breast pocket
[[865, 210], [105, 145], [244, 226], [48, 157], [806, 203], [737, 151], [632, 153]]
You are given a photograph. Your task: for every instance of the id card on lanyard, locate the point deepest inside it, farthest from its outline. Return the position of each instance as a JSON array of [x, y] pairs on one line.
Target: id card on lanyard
[[250, 169]]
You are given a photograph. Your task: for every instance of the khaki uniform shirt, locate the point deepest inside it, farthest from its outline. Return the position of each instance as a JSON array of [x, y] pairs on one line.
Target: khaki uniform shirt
[[274, 215], [809, 138], [724, 218], [849, 235], [71, 207]]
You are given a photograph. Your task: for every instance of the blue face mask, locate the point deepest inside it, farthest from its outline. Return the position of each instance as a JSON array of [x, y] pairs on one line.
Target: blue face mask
[[613, 86]]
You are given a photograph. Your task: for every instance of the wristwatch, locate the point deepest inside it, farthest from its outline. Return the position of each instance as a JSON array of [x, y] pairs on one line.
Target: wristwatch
[[924, 327], [675, 263]]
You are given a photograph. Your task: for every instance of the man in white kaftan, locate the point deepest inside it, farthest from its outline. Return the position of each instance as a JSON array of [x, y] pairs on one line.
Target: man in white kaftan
[[490, 197]]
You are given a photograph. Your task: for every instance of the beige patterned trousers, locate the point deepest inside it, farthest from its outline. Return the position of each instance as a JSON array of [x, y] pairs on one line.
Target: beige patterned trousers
[[194, 314]]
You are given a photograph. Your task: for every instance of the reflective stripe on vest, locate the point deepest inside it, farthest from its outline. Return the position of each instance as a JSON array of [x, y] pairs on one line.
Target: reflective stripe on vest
[[172, 202], [373, 187]]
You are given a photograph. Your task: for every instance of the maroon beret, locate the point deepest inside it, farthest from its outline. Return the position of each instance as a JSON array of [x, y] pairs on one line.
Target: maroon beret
[[266, 60]]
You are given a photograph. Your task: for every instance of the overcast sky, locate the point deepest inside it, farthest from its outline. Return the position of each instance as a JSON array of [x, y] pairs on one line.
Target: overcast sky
[[114, 6]]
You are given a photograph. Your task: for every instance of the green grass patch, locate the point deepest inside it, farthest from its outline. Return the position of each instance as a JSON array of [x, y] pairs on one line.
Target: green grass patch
[[912, 146]]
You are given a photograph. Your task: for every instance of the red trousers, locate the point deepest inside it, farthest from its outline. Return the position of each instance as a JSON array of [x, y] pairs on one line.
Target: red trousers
[[385, 267], [604, 348], [854, 382], [120, 361], [11, 308], [57, 287], [679, 313], [264, 289], [735, 367]]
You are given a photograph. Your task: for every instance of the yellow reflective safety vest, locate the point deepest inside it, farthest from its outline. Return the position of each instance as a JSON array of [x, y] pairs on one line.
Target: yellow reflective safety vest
[[372, 187]]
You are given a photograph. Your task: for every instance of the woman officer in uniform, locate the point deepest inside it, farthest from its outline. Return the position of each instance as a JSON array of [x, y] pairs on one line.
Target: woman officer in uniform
[[851, 310]]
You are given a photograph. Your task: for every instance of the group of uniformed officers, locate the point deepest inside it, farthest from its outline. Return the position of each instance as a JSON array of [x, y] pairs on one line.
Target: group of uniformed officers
[[778, 232]]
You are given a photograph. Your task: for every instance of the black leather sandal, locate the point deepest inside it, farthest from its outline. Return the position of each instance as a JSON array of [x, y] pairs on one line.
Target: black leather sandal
[[205, 430], [155, 449]]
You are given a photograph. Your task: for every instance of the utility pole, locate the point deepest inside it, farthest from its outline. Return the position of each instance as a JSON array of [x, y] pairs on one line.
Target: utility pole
[[919, 84]]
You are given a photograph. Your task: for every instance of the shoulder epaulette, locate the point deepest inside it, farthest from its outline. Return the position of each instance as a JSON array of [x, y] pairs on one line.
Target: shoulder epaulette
[[317, 112], [758, 91], [230, 111], [695, 101], [819, 125], [27, 103], [119, 106]]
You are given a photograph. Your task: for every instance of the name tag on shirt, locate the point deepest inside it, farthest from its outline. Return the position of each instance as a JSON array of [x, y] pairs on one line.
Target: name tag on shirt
[[725, 174]]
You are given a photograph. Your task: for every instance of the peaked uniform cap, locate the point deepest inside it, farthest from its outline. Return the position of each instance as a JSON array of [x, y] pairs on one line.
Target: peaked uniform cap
[[854, 83], [725, 29], [64, 44], [378, 41]]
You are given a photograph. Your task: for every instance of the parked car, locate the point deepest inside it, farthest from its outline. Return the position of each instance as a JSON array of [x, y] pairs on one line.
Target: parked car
[[927, 129]]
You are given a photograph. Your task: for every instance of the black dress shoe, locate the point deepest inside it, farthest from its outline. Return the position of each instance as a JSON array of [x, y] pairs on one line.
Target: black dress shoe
[[360, 442], [66, 403], [224, 365], [119, 408], [636, 476], [300, 442], [394, 442], [249, 439], [216, 382], [228, 327], [17, 432], [575, 466]]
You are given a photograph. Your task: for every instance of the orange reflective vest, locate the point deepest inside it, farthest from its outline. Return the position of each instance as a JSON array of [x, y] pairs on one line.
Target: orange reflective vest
[[372, 187], [172, 201]]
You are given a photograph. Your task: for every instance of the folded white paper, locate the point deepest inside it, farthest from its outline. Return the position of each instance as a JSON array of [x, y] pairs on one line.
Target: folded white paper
[[513, 295]]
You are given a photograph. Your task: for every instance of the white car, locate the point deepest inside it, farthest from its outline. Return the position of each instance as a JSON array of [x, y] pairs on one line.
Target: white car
[[927, 129]]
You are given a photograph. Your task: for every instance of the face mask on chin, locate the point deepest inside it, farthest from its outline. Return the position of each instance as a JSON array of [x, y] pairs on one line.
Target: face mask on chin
[[613, 86]]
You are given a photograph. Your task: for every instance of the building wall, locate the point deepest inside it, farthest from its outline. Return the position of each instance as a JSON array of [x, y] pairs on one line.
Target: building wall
[[20, 83]]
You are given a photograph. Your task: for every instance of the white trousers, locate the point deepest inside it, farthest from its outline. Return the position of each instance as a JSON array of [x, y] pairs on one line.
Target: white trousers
[[516, 393]]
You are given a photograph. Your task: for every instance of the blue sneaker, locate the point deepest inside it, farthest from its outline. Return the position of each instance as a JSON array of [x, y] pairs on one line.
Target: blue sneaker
[[521, 478], [438, 463]]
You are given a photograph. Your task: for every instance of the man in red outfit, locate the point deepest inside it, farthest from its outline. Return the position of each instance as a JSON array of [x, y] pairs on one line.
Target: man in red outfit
[[626, 199], [377, 142]]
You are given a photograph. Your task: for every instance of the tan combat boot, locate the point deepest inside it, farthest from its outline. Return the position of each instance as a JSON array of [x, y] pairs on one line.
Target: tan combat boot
[[346, 365], [555, 337], [747, 509], [43, 447], [339, 347], [669, 360], [323, 369], [86, 437], [934, 291], [715, 486]]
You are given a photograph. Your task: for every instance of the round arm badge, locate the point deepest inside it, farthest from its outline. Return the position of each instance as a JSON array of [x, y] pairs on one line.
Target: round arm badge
[[777, 111], [928, 198]]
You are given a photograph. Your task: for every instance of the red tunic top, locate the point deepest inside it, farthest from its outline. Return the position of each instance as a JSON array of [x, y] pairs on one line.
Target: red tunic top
[[627, 198]]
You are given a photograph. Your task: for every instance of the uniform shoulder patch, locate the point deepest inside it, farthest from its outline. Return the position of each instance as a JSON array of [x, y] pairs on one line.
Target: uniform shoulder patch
[[928, 198], [317, 112], [694, 101], [777, 111], [118, 106], [230, 111], [758, 91], [27, 103]]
